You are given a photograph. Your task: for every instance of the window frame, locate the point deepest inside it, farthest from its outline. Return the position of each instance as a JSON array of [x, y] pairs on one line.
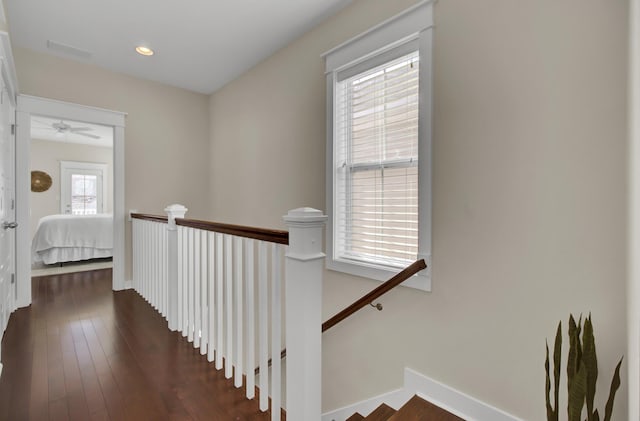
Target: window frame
[[83, 167], [414, 25]]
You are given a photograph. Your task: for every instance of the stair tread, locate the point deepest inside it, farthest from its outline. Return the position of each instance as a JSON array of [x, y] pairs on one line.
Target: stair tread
[[355, 417], [417, 409], [381, 413]]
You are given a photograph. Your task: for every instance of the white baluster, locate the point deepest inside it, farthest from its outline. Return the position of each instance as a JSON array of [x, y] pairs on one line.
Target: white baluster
[[251, 365], [276, 330], [134, 253], [263, 325], [147, 260], [196, 288], [219, 300], [180, 276], [191, 283], [165, 272], [228, 253], [304, 272], [185, 284], [211, 300], [154, 265], [239, 312], [204, 311]]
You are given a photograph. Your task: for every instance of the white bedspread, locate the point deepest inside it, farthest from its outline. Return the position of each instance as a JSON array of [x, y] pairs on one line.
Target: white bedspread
[[73, 237]]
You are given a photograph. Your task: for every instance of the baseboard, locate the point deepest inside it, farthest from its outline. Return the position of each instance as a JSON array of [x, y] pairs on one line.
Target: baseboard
[[128, 284], [452, 400], [0, 369]]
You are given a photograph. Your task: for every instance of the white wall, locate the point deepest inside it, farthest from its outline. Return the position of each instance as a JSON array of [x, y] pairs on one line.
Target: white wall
[[529, 202], [166, 133], [46, 156]]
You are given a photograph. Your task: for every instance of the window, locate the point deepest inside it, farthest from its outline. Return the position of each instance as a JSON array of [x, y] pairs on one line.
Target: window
[[379, 149], [82, 188]]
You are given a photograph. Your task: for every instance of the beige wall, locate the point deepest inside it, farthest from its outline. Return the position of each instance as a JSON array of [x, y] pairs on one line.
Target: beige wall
[[46, 156], [166, 133], [528, 203]]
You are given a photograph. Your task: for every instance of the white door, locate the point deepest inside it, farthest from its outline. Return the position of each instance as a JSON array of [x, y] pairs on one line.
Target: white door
[[7, 207]]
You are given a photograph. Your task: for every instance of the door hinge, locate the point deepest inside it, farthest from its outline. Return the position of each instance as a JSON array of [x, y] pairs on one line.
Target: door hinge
[[13, 204], [13, 278], [13, 129]]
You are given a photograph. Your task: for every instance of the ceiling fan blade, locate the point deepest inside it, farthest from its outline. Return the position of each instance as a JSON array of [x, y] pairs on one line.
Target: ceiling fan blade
[[88, 135], [42, 123], [79, 129]]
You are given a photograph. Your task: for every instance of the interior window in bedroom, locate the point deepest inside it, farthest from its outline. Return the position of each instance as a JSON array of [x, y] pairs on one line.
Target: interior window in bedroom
[[82, 190], [84, 194]]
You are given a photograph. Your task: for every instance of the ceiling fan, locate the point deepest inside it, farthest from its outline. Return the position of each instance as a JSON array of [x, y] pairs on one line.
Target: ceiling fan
[[61, 128]]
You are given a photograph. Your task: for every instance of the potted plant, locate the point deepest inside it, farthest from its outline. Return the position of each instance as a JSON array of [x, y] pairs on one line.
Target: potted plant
[[582, 373]]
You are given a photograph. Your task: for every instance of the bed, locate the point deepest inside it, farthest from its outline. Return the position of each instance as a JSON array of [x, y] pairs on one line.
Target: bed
[[71, 238]]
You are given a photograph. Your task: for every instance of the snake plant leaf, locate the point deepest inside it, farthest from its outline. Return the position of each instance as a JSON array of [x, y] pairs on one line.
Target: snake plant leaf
[[615, 384], [557, 355], [596, 416], [547, 389], [578, 333], [573, 360], [577, 393], [591, 364]]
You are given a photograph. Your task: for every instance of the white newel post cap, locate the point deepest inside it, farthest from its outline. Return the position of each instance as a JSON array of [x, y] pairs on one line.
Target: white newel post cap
[[175, 211], [305, 233]]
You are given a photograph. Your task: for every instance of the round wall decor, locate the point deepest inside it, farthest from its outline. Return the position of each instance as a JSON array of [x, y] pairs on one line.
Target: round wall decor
[[40, 181]]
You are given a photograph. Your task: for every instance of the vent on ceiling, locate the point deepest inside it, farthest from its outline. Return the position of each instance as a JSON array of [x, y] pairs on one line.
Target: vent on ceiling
[[68, 49]]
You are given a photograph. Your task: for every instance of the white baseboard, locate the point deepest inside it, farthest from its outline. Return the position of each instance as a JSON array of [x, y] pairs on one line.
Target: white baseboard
[[128, 284], [437, 393], [0, 369]]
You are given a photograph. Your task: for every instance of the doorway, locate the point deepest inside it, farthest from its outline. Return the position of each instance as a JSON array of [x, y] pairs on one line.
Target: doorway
[[29, 107]]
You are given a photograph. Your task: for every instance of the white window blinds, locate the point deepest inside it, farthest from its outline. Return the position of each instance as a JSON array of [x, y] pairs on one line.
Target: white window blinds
[[376, 106]]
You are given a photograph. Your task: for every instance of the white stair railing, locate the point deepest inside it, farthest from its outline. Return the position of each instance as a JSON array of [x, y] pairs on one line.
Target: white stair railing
[[221, 286]]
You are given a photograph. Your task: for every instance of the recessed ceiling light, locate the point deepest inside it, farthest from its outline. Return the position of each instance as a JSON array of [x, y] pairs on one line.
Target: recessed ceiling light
[[145, 51]]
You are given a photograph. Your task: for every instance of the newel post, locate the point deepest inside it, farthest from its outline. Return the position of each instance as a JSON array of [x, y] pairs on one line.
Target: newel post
[[303, 289], [173, 211]]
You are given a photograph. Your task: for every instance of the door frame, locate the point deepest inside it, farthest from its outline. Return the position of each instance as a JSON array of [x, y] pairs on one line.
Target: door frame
[[26, 107]]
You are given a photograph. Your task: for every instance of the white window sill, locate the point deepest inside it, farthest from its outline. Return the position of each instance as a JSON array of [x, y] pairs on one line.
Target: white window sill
[[421, 280]]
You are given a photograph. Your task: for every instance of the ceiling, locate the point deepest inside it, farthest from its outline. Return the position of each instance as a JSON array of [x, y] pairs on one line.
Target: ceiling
[[199, 45], [43, 128]]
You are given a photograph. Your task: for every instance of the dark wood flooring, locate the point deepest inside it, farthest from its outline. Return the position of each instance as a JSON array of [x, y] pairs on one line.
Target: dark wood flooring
[[84, 352]]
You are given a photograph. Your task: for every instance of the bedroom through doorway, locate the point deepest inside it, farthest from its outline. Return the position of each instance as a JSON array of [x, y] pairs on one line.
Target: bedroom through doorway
[[71, 215], [92, 188]]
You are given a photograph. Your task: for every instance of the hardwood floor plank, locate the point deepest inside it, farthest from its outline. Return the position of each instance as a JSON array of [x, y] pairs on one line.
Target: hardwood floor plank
[[58, 410], [84, 352]]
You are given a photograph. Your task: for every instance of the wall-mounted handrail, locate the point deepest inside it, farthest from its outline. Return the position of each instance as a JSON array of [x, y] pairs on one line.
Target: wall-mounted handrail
[[367, 299], [264, 234]]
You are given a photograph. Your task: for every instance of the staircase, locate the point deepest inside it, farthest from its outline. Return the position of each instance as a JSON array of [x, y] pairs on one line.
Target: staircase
[[416, 409]]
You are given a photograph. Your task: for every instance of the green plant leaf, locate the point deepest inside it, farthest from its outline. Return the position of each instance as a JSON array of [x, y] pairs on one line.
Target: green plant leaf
[[557, 355], [573, 360], [615, 384], [577, 393], [596, 416], [591, 364], [547, 387]]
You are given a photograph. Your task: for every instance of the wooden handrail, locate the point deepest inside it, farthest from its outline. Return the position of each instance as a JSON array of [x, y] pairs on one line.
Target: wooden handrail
[[376, 293], [406, 273], [263, 234], [148, 217]]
